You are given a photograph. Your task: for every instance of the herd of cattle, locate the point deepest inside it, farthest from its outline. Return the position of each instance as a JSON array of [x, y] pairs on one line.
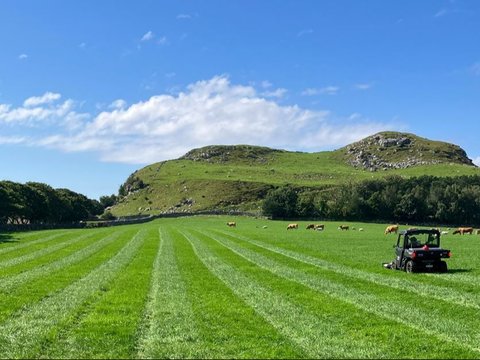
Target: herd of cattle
[[389, 229]]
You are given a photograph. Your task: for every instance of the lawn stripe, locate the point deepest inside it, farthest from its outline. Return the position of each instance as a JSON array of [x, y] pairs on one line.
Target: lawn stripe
[[107, 325], [454, 296], [456, 278], [302, 327], [22, 335], [47, 269], [30, 243], [443, 327], [169, 326], [45, 251]]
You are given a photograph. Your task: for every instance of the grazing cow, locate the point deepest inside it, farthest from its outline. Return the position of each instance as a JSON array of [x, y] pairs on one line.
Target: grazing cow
[[361, 229], [444, 232], [390, 229], [477, 232], [292, 226], [463, 230], [232, 224], [319, 227], [343, 227], [310, 226]]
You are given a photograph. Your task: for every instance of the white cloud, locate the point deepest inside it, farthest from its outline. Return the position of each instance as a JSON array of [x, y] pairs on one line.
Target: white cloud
[[363, 86], [476, 160], [184, 16], [22, 56], [43, 111], [46, 98], [147, 36], [162, 41], [12, 140], [118, 104], [207, 112], [277, 93], [328, 90], [304, 32]]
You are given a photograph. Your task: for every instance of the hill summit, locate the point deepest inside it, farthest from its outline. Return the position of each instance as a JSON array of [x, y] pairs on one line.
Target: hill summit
[[395, 150]]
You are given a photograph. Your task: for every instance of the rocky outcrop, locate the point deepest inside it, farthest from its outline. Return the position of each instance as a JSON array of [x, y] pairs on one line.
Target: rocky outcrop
[[224, 153], [390, 150]]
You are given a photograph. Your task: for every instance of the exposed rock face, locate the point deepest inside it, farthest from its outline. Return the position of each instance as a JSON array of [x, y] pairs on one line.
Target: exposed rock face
[[385, 151]]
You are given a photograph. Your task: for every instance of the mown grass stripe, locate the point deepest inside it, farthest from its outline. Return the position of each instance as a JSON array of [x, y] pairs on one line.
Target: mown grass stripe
[[454, 296], [17, 280], [22, 335], [440, 326], [169, 323], [45, 251], [30, 243], [457, 278], [107, 325], [302, 327]]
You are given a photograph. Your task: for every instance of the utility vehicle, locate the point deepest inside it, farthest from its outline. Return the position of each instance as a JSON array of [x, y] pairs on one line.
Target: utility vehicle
[[419, 250]]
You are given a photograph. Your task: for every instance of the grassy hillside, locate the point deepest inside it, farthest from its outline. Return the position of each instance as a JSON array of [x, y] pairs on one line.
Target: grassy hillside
[[238, 177]]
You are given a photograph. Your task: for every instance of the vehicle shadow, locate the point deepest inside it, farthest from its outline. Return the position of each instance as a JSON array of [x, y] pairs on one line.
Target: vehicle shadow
[[7, 238], [459, 271]]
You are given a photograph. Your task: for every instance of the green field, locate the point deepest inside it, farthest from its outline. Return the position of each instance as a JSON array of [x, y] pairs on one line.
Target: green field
[[195, 288]]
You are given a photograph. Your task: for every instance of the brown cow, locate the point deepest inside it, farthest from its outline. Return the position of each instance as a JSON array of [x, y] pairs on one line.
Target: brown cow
[[292, 226], [232, 224], [390, 229], [310, 226], [463, 230], [343, 227], [319, 227]]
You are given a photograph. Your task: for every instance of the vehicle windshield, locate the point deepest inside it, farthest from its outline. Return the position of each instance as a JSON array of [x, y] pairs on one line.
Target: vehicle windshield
[[420, 240]]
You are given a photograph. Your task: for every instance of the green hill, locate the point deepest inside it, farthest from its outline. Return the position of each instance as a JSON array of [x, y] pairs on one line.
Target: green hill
[[238, 177]]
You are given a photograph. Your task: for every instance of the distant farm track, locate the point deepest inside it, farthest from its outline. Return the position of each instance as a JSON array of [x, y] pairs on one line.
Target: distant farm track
[[195, 288]]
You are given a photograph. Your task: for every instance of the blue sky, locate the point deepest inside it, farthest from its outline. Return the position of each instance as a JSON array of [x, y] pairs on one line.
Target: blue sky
[[91, 91]]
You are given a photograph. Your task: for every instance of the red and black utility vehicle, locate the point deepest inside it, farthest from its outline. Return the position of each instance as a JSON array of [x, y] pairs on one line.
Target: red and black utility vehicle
[[419, 250]]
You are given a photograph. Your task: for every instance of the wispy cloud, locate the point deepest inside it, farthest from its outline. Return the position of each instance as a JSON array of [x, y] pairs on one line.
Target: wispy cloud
[[363, 86], [441, 12], [327, 90], [184, 16], [9, 140], [46, 98], [475, 69], [22, 56], [304, 32], [118, 104], [149, 35], [162, 40], [277, 93]]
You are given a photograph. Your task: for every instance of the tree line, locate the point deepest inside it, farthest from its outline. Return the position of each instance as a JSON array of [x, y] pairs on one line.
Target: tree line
[[38, 203], [424, 199]]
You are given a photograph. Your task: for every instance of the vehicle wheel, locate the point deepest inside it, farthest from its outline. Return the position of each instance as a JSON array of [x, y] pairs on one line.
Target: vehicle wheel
[[442, 267], [410, 267]]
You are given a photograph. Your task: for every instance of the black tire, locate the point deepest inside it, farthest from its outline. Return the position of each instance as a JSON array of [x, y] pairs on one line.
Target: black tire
[[442, 267], [411, 267]]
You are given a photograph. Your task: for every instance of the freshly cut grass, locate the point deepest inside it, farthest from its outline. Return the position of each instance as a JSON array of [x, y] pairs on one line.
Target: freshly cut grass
[[441, 293], [389, 309], [305, 329], [23, 335], [107, 325], [194, 288], [169, 329]]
